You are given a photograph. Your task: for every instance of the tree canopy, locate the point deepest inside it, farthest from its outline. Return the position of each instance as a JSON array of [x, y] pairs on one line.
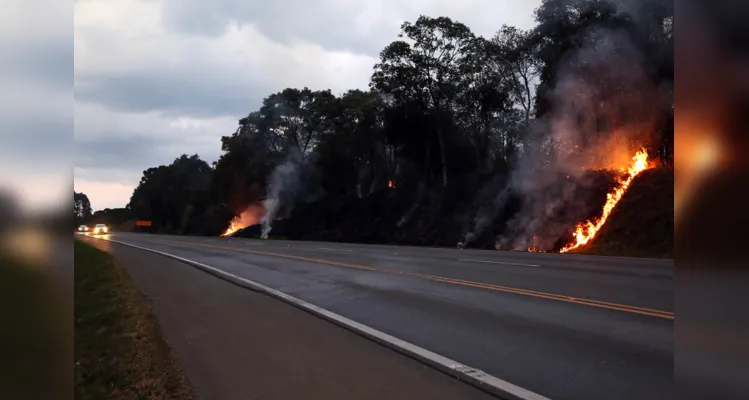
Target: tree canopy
[[446, 113]]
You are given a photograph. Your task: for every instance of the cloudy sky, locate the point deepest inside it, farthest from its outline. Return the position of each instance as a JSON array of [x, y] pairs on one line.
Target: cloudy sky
[[158, 78]]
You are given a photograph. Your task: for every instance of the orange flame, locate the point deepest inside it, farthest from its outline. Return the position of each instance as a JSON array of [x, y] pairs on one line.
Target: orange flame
[[248, 217], [390, 184], [234, 226], [586, 231], [533, 248]]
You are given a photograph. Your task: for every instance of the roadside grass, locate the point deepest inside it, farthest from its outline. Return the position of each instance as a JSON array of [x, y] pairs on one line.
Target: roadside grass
[[119, 350], [35, 355]]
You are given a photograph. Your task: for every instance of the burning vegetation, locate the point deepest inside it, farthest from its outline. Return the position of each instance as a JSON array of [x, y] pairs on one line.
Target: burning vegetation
[[510, 142], [252, 215], [586, 231]]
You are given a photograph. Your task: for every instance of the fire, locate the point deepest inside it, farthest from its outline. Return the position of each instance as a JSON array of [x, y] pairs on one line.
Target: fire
[[586, 231], [533, 248], [234, 226], [250, 216], [391, 184]]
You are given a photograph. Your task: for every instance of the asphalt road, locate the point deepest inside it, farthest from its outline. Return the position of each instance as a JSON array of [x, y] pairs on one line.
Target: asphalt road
[[564, 326]]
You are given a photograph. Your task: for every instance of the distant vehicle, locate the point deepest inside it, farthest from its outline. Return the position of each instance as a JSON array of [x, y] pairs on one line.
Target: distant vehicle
[[83, 228], [100, 228]]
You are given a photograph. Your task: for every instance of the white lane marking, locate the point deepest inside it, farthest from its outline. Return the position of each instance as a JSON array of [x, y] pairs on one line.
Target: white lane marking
[[473, 376], [328, 248], [497, 262]]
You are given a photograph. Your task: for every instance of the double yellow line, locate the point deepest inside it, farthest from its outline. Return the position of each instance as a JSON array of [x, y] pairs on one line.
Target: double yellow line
[[551, 296]]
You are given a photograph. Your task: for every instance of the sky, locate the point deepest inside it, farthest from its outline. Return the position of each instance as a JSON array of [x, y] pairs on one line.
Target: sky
[[158, 78], [36, 101]]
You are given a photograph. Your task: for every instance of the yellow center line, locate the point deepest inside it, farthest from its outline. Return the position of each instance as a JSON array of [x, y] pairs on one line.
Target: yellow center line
[[563, 297], [481, 285]]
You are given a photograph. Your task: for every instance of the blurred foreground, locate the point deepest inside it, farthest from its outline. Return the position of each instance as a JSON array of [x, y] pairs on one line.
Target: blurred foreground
[[712, 93], [35, 308]]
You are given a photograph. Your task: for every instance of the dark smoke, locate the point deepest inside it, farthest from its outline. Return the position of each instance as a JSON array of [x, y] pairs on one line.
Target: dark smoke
[[602, 103]]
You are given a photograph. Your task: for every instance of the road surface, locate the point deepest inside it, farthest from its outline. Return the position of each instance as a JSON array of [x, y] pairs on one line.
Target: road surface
[[238, 344], [563, 326]]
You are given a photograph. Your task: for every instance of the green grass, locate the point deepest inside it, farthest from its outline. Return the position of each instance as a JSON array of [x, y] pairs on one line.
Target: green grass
[[119, 350]]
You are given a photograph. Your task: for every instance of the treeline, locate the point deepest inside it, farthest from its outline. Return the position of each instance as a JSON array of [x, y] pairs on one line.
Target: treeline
[[446, 114]]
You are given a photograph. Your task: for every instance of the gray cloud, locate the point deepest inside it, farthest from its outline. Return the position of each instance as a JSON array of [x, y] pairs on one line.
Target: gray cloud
[[36, 102], [284, 21], [113, 151], [171, 94], [358, 27], [36, 118], [136, 80], [49, 63]]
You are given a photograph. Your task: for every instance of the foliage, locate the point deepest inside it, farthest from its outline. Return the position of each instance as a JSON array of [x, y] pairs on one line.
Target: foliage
[[447, 116], [81, 207], [171, 196]]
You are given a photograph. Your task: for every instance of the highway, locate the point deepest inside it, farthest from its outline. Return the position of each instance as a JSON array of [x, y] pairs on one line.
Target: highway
[[563, 326]]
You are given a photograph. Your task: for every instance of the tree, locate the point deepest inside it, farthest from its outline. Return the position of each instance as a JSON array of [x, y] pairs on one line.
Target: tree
[[81, 207], [166, 192], [484, 95], [427, 70], [633, 41], [515, 52]]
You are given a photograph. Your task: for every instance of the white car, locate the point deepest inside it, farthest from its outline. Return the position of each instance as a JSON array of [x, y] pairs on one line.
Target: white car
[[100, 228], [83, 228]]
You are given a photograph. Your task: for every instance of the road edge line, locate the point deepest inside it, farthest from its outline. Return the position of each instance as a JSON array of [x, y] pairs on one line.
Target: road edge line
[[473, 376]]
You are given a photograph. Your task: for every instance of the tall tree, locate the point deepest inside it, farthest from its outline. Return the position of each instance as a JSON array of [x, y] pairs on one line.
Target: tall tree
[[426, 69], [516, 53], [81, 207]]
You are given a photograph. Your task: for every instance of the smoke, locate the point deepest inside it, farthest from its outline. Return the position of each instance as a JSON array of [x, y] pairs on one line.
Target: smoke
[[499, 192], [603, 106], [283, 187], [250, 216]]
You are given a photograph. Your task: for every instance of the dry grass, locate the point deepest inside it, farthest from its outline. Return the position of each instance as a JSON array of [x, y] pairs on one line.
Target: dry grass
[[119, 350], [642, 224]]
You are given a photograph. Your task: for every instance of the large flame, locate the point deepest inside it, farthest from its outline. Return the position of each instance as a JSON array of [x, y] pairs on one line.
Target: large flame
[[234, 226], [248, 217], [586, 231]]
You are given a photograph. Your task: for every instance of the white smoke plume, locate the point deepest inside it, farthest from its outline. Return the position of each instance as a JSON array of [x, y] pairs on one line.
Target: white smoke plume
[[283, 187]]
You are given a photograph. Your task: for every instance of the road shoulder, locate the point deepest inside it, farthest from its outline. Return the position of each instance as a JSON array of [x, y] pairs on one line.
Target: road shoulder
[[120, 352], [234, 343]]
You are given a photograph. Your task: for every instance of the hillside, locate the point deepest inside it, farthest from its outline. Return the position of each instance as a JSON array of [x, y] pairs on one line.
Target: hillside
[[642, 224]]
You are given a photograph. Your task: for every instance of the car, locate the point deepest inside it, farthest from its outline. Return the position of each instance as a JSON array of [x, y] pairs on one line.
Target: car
[[83, 228], [100, 228]]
